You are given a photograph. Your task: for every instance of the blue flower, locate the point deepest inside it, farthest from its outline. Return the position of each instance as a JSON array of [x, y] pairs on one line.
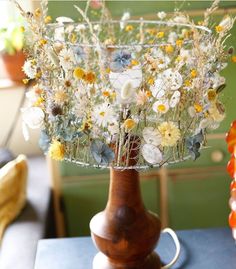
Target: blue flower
[[193, 144], [67, 128], [120, 60], [102, 154], [44, 141], [79, 54]]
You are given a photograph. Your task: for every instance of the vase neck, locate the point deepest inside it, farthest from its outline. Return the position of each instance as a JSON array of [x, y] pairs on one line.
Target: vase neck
[[124, 189]]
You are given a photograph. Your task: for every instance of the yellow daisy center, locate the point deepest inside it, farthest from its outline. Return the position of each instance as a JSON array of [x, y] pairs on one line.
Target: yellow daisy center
[[161, 108]]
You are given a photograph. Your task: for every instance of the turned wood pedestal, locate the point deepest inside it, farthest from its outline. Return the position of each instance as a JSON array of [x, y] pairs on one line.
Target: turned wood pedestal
[[125, 232]]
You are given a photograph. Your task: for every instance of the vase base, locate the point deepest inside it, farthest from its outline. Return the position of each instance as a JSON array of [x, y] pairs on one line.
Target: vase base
[[101, 261]]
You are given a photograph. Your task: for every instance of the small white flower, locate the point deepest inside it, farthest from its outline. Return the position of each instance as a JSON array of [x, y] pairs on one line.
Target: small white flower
[[172, 37], [174, 100], [134, 74], [81, 27], [167, 80], [161, 59], [124, 18], [152, 136], [103, 115], [67, 59], [161, 106], [227, 23], [30, 69], [161, 15], [62, 20], [151, 154], [33, 117], [180, 19]]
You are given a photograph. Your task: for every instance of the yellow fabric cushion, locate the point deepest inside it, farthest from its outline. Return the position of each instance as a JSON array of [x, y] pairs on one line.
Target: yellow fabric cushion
[[13, 179]]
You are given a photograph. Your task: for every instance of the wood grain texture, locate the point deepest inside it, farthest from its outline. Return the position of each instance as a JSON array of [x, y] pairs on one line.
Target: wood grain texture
[[125, 232]]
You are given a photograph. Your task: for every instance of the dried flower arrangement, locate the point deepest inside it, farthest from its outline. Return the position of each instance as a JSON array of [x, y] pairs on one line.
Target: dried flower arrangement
[[111, 91]]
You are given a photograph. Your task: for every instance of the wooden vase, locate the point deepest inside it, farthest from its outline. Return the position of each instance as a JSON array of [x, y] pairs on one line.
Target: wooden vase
[[125, 232]]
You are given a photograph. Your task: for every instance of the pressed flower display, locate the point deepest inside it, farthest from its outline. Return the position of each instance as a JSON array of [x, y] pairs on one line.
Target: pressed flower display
[[102, 83], [125, 94]]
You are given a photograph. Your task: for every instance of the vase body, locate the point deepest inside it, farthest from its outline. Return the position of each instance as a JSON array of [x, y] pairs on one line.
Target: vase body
[[125, 232], [13, 65]]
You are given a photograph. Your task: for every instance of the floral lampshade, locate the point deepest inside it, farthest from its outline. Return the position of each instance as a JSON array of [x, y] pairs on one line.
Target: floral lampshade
[[125, 93]]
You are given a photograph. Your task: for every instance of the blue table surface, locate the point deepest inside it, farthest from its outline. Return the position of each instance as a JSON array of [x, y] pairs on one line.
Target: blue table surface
[[200, 249]]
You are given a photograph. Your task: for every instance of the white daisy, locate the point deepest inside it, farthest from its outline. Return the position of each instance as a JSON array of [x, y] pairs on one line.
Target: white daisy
[[67, 59], [103, 114], [30, 69], [161, 106]]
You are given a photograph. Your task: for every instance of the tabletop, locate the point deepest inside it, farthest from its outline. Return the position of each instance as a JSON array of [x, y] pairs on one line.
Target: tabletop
[[200, 249]]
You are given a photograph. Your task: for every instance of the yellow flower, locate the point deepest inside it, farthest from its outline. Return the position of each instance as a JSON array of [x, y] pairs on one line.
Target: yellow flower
[[169, 48], [129, 124], [38, 74], [193, 73], [198, 108], [37, 13], [219, 28], [108, 70], [90, 77], [170, 134], [234, 59], [151, 81], [22, 29], [178, 58], [73, 38], [25, 81], [57, 150], [134, 62], [106, 93], [160, 34], [149, 94], [43, 42], [48, 19], [187, 83], [179, 42], [39, 101], [78, 73], [129, 28], [211, 95]]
